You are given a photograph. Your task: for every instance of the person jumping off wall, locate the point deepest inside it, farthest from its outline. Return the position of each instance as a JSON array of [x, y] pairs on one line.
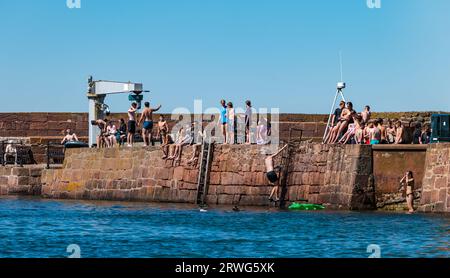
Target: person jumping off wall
[[272, 175]]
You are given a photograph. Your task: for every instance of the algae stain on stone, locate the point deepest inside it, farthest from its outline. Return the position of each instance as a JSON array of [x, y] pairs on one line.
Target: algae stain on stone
[[73, 186]]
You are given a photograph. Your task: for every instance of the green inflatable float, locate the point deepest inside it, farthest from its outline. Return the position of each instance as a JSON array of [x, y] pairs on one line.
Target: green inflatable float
[[298, 206]]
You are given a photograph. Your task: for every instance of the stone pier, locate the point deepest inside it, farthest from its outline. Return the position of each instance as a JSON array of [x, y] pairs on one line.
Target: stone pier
[[436, 183], [350, 177], [21, 180], [336, 176]]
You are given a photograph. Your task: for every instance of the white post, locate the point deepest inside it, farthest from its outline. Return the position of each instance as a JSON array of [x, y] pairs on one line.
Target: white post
[[94, 114], [329, 117]]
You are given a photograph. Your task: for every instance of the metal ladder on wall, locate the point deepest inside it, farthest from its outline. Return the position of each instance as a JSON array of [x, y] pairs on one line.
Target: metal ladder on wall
[[285, 165], [203, 173]]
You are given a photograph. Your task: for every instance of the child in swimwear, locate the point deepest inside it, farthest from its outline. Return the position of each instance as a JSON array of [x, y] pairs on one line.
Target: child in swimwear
[[163, 130], [359, 133], [374, 133], [390, 133], [366, 114], [349, 134], [399, 132]]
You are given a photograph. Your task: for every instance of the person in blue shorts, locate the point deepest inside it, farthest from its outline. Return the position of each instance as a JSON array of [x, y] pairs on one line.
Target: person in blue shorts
[[147, 118]]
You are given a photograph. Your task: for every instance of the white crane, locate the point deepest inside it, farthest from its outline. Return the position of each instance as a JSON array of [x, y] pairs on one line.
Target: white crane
[[97, 92]]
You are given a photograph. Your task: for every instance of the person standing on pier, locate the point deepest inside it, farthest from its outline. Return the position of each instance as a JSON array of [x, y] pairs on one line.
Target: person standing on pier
[[366, 114], [101, 124], [147, 118], [131, 124], [272, 175], [399, 132], [248, 121], [231, 124], [223, 119], [163, 130]]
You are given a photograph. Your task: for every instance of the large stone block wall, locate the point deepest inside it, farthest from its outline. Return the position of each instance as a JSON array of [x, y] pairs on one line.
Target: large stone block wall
[[336, 176], [40, 128], [41, 124], [126, 174], [20, 180], [436, 183]]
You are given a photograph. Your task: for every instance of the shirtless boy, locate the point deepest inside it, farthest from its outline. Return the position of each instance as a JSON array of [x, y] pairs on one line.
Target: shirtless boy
[[382, 128], [163, 130], [147, 118], [399, 132], [101, 124], [366, 114], [390, 133], [70, 137]]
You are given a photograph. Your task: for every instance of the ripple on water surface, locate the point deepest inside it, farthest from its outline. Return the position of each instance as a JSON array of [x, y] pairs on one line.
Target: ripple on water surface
[[44, 228]]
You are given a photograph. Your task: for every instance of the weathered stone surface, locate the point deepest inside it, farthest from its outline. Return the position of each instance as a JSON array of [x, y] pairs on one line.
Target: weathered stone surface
[[20, 180], [337, 176], [436, 186]]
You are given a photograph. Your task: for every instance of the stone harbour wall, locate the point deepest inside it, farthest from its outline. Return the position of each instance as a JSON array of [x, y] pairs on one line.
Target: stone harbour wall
[[336, 176], [20, 180], [40, 128], [436, 183], [126, 174], [340, 177]]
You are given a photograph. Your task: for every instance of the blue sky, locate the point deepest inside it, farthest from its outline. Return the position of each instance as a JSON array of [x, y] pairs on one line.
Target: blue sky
[[277, 53]]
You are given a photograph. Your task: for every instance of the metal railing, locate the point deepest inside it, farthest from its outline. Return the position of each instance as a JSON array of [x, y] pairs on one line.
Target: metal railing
[[55, 154]]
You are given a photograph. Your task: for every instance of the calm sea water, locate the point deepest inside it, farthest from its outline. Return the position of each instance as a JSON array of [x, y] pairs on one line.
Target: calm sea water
[[44, 228]]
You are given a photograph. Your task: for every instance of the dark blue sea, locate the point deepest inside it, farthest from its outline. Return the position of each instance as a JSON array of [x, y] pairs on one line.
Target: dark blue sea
[[37, 228]]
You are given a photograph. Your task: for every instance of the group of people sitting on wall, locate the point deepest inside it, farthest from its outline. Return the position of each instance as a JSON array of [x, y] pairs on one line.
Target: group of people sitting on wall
[[110, 134], [349, 127]]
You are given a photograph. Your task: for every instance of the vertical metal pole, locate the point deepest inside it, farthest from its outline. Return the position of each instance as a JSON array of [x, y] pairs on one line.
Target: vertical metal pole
[[21, 154], [3, 154], [342, 95], [329, 117], [48, 155]]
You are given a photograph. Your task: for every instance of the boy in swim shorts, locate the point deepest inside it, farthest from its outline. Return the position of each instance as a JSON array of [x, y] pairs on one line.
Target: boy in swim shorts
[[147, 118]]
